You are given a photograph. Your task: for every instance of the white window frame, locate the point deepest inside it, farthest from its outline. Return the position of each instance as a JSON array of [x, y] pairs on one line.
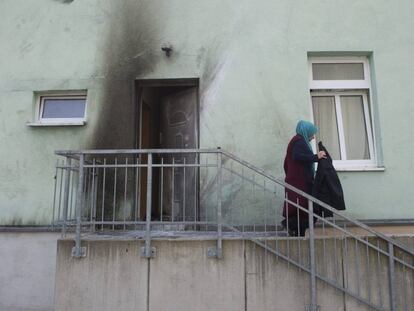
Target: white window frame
[[40, 103], [339, 84], [337, 88], [367, 118]]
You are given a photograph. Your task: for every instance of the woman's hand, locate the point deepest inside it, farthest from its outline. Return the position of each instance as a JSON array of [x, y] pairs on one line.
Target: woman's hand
[[321, 155]]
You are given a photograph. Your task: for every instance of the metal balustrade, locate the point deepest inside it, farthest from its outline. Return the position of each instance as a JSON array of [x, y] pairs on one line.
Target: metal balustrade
[[158, 193]]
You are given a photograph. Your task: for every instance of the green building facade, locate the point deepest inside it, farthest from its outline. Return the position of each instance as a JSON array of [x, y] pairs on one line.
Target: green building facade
[[256, 65]]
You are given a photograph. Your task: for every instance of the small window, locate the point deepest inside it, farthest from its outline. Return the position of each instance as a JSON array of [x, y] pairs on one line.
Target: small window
[[340, 97], [62, 109]]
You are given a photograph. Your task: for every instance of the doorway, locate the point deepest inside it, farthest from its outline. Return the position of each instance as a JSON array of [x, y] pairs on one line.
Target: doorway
[[168, 118]]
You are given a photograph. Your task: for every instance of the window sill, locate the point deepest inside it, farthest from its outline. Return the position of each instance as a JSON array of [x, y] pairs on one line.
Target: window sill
[[38, 124], [360, 169]]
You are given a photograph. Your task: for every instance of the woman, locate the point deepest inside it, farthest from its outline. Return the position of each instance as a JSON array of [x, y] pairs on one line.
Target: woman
[[299, 168]]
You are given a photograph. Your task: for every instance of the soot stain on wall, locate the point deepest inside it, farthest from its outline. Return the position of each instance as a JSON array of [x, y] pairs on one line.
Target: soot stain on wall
[[129, 51], [132, 50]]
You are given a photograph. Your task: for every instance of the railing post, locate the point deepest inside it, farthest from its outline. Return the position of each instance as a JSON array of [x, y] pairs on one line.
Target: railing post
[[219, 212], [391, 272], [148, 251], [66, 195], [79, 251], [313, 306], [217, 252]]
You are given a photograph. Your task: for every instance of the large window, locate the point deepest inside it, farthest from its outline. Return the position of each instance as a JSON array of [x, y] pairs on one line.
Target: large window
[[340, 96]]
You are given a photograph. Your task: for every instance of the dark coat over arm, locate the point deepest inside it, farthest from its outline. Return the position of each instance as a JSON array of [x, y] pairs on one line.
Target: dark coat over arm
[[327, 186]]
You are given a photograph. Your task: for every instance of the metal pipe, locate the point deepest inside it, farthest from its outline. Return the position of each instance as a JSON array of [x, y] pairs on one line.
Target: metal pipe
[[196, 174], [205, 211], [172, 189], [148, 211], [103, 194], [345, 260], [60, 193], [161, 189], [335, 252], [144, 165], [54, 196], [244, 205], [391, 275], [125, 190], [139, 188], [136, 189], [71, 193], [312, 257], [299, 230], [66, 196], [184, 186], [357, 266], [134, 151], [77, 252], [378, 269], [219, 212], [114, 198], [93, 192], [287, 227], [231, 191], [404, 277], [368, 271]]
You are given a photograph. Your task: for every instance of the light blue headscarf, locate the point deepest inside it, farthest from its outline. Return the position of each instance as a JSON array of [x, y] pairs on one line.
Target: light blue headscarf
[[307, 130]]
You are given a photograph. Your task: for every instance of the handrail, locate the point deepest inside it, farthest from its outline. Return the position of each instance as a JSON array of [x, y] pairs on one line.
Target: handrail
[[254, 168], [92, 175], [134, 151], [242, 162], [302, 267], [315, 200]]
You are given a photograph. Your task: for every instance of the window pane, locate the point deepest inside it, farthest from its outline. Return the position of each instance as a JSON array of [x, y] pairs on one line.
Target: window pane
[[356, 140], [344, 71], [64, 108], [325, 119]]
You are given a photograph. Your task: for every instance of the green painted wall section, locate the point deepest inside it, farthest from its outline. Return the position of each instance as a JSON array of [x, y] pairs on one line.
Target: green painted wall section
[[250, 56]]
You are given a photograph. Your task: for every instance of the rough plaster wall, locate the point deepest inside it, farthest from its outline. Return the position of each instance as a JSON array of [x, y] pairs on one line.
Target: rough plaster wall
[[27, 271], [36, 55], [251, 59], [182, 277]]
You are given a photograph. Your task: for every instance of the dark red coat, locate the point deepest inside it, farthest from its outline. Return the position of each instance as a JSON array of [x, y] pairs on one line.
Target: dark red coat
[[298, 169]]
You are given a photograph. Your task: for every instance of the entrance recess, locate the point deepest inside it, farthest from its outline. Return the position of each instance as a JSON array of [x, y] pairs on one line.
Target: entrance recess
[[168, 119]]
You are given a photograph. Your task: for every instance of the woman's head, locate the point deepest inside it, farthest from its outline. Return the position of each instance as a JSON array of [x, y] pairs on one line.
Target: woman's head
[[306, 129]]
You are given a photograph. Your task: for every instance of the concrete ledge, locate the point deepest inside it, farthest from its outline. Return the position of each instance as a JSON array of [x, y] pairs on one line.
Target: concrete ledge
[[181, 277], [27, 270]]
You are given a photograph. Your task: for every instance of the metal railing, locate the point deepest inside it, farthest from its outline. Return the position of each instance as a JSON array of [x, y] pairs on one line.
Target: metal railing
[[155, 193]]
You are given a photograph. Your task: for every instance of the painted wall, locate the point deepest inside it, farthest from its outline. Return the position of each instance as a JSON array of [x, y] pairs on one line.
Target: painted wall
[[114, 276], [27, 269], [251, 58]]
